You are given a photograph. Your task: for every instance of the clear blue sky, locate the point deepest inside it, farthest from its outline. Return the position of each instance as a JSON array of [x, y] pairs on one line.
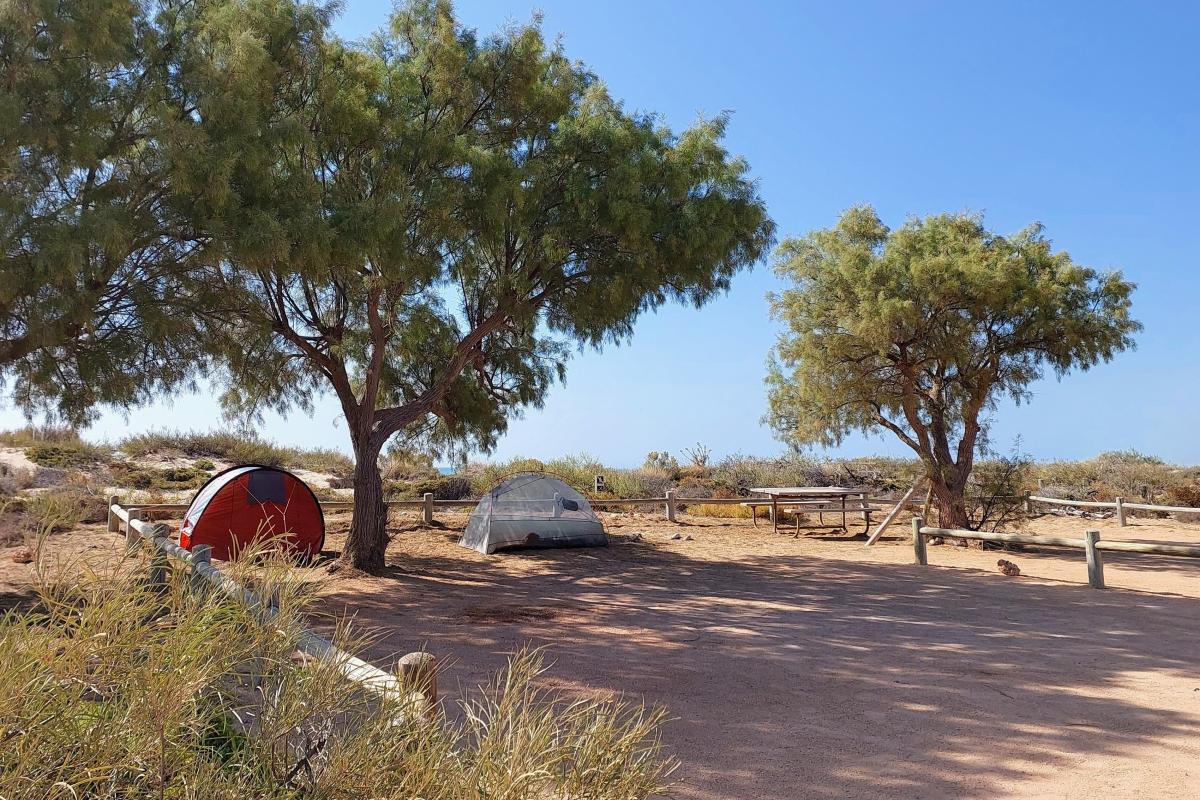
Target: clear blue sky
[[1084, 116]]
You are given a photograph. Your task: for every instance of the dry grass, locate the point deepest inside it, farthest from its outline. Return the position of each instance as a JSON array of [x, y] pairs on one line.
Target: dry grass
[[111, 689], [237, 447]]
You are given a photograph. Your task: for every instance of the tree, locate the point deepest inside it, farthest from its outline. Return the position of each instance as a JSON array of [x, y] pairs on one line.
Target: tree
[[94, 298], [919, 331], [428, 224]]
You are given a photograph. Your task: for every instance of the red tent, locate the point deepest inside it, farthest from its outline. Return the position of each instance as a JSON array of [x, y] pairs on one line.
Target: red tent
[[251, 503]]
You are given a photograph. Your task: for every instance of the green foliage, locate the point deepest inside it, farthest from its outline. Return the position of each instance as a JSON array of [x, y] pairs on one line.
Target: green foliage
[[34, 435], [204, 464], [1126, 474], [236, 447], [65, 456], [61, 509], [96, 272], [484, 477], [920, 330], [662, 462], [401, 464], [166, 479], [998, 486], [443, 487], [155, 692], [429, 223]]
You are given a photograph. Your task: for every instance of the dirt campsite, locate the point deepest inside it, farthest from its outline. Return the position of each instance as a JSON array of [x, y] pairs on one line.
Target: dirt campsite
[[813, 666]]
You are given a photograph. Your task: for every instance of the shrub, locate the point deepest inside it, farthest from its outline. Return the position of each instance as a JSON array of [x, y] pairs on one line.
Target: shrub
[[639, 483], [996, 489], [447, 487], [698, 455], [61, 509], [32, 435], [65, 455], [323, 493], [155, 693], [15, 479], [237, 447], [400, 464], [484, 476], [662, 461], [203, 464], [167, 479]]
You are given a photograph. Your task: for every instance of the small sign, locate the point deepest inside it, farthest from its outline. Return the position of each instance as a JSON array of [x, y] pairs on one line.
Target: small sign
[[601, 484]]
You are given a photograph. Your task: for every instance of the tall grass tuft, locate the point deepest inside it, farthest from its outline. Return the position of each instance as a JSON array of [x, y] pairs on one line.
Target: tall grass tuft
[[110, 688], [237, 447]]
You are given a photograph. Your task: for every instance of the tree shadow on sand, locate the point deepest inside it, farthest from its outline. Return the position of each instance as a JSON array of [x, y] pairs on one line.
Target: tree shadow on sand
[[795, 676]]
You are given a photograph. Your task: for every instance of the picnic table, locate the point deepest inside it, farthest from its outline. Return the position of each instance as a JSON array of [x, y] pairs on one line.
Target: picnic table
[[815, 498]]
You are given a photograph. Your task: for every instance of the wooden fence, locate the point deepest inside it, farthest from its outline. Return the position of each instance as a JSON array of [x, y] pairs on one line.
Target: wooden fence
[[1119, 505], [1091, 543], [418, 671], [670, 503]]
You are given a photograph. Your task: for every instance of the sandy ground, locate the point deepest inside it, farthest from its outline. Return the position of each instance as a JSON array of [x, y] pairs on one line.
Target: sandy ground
[[813, 667]]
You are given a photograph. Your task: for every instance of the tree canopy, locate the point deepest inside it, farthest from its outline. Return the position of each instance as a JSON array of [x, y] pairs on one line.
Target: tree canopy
[[920, 330], [430, 223], [95, 257]]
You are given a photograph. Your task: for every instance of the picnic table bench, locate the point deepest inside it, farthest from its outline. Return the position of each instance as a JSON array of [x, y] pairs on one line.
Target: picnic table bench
[[808, 499]]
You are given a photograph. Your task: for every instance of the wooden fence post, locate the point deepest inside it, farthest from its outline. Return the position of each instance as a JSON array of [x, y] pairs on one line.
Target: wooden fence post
[[132, 537], [901, 505], [1095, 562], [428, 508], [670, 505], [418, 672], [1028, 505], [114, 522], [1121, 511], [201, 554], [158, 559], [919, 555]]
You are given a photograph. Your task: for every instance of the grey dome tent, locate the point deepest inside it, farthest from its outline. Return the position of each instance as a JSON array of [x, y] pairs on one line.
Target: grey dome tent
[[532, 509]]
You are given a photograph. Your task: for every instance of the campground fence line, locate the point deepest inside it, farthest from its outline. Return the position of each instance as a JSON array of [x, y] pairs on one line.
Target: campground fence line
[[1091, 543], [1119, 505], [671, 503], [417, 679]]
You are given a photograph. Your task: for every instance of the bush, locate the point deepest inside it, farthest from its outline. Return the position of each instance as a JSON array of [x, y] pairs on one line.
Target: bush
[[662, 461], [447, 487], [32, 435], [203, 464], [237, 447], [154, 692], [65, 456], [167, 479], [484, 476], [400, 464], [1183, 494], [324, 493], [61, 509], [15, 479]]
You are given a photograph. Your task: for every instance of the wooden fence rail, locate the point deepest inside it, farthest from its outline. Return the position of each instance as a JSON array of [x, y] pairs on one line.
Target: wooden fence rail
[[672, 503], [370, 677], [428, 500], [1119, 505], [1091, 544]]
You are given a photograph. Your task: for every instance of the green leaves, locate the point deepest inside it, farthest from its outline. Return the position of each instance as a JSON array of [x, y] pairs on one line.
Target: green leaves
[[921, 329], [449, 216], [95, 274]]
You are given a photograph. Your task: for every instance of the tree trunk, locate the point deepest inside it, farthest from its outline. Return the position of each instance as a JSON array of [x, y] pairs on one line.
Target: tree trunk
[[950, 500], [366, 545]]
